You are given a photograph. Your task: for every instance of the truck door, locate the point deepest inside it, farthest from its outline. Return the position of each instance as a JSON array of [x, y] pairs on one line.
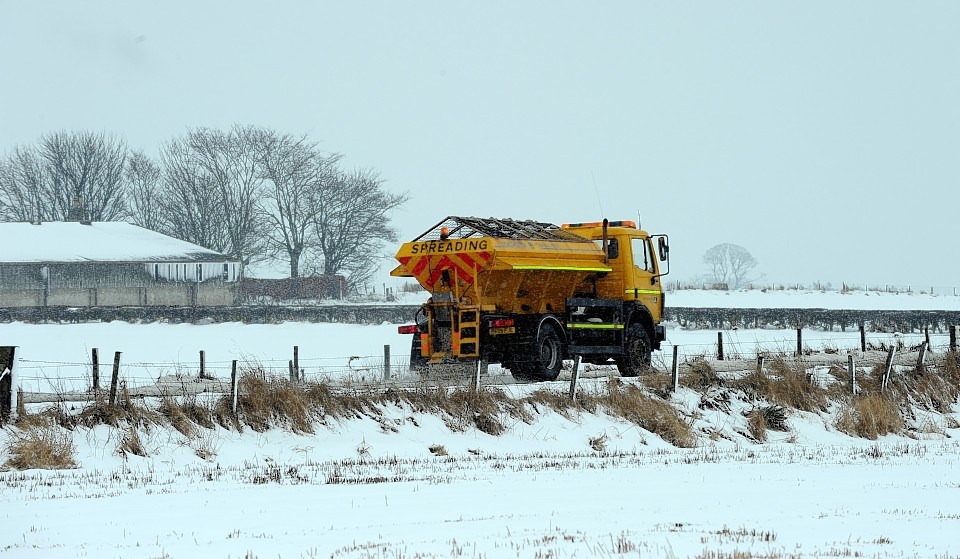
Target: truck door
[[644, 284]]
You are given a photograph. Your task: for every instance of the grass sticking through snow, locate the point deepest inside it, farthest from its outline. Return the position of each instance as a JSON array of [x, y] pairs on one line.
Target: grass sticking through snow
[[40, 445]]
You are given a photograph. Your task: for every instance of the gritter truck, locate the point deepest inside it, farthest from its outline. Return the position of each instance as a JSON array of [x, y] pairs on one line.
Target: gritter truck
[[527, 294]]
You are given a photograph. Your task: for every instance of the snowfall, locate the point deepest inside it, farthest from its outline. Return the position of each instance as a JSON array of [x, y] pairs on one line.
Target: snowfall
[[372, 487]]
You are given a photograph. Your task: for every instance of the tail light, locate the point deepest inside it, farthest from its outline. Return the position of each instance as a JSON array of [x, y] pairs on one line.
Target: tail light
[[408, 329], [501, 322]]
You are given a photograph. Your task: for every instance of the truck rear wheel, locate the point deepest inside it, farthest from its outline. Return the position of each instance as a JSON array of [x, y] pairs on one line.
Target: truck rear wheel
[[638, 348], [545, 359]]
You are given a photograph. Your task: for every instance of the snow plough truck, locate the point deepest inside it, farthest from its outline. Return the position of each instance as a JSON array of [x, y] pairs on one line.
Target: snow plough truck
[[528, 295]]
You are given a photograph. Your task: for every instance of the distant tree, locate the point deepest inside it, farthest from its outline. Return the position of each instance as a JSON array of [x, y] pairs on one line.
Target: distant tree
[[230, 164], [145, 195], [23, 187], [85, 174], [352, 223], [729, 264], [212, 175], [191, 207], [294, 170], [68, 175]]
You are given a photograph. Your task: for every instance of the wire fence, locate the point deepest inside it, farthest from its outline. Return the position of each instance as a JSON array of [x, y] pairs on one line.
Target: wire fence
[[50, 380]]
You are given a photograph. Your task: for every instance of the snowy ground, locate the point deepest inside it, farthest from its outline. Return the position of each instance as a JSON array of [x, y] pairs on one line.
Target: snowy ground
[[812, 299], [373, 488]]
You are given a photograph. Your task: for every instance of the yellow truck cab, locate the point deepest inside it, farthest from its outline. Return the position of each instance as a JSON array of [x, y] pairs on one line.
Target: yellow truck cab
[[529, 294]]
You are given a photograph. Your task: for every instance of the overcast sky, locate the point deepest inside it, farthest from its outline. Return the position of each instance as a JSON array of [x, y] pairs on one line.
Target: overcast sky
[[822, 136]]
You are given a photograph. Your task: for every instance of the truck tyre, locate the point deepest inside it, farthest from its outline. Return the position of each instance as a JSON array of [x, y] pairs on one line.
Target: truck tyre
[[545, 359], [637, 359]]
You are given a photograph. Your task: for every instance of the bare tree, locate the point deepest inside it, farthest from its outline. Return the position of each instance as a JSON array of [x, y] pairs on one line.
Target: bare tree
[[192, 210], [213, 188], [23, 187], [145, 196], [293, 168], [729, 264], [352, 223], [86, 168], [228, 161]]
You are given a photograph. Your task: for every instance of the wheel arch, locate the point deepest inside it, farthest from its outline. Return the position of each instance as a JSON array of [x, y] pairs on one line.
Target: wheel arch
[[641, 315]]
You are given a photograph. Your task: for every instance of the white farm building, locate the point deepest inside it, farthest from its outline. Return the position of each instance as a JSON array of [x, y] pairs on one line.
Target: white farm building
[[87, 264]]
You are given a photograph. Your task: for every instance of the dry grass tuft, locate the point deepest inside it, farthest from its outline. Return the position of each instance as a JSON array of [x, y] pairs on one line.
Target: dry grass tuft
[[264, 399], [630, 403], [755, 385], [554, 400], [757, 425], [701, 377], [786, 385], [46, 446], [599, 443], [869, 416], [177, 416], [927, 388], [131, 443], [760, 420]]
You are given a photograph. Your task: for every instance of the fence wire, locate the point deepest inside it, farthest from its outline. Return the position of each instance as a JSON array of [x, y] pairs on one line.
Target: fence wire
[[37, 376]]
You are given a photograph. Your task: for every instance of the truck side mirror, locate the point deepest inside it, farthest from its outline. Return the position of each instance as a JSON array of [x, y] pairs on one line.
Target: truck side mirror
[[663, 248]]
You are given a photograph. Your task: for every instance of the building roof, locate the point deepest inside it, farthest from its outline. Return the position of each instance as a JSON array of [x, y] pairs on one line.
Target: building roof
[[101, 241]]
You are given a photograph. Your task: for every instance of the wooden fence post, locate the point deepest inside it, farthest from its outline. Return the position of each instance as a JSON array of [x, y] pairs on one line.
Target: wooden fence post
[[233, 387], [95, 358], [851, 367], [675, 372], [926, 336], [296, 362], [203, 364], [760, 360], [887, 369], [114, 378], [922, 358], [953, 337], [799, 342], [720, 346], [292, 374], [574, 377], [863, 338], [386, 362]]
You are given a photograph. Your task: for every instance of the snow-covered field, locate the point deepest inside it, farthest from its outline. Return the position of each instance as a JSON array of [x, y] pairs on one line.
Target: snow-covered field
[[372, 487], [813, 299]]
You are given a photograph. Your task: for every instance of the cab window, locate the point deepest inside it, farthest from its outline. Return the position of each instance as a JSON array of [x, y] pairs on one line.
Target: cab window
[[642, 258], [613, 247]]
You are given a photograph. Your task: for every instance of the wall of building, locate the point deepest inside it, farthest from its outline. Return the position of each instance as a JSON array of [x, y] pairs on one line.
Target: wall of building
[[116, 285], [171, 294], [21, 297]]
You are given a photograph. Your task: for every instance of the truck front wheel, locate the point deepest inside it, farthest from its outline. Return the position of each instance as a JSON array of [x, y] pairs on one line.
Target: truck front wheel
[[545, 359], [638, 352]]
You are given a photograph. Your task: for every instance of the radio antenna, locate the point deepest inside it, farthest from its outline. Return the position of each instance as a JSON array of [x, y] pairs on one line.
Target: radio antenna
[[597, 190]]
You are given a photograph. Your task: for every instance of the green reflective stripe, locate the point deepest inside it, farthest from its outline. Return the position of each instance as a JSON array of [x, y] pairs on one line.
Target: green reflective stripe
[[595, 325], [565, 268], [642, 291]]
